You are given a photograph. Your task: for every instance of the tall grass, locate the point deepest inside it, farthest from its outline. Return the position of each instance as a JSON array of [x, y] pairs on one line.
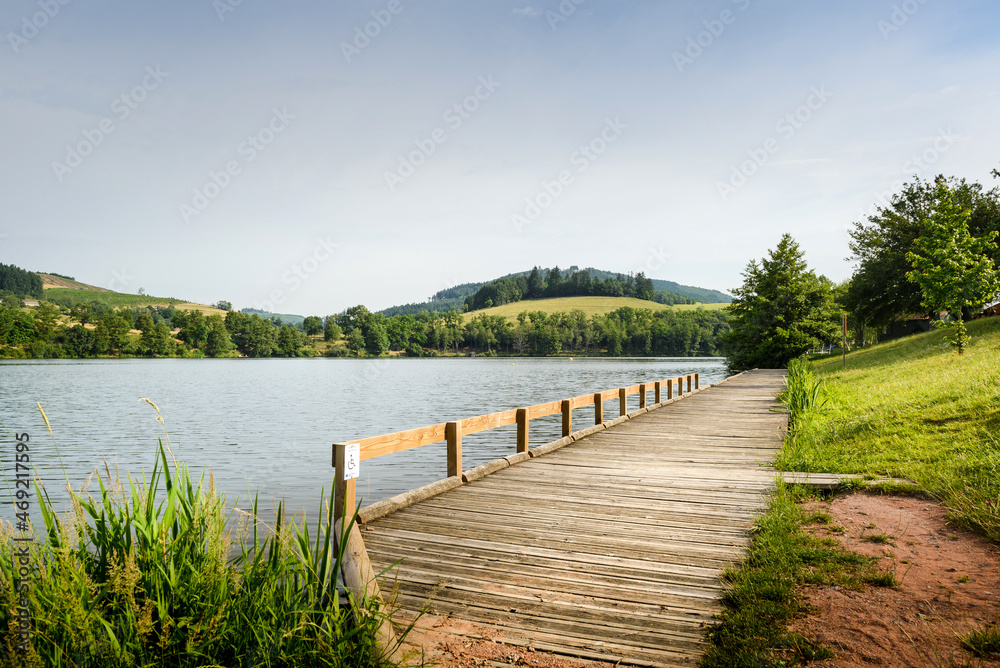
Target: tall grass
[[802, 392], [161, 572]]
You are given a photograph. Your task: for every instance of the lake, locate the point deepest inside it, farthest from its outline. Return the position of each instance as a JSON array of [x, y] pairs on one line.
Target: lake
[[267, 426]]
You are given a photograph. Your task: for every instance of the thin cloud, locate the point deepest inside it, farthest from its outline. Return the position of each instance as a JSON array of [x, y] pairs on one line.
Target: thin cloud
[[528, 11]]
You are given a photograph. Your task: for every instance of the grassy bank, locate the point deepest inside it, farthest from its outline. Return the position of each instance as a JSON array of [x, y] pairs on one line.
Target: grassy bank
[[913, 408], [142, 573], [908, 408]]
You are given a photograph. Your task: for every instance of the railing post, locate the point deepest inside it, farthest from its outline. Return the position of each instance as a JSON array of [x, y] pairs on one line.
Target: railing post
[[642, 395], [696, 381], [622, 401], [598, 408], [343, 490], [656, 392], [567, 415], [688, 378], [453, 435], [522, 429], [670, 389], [680, 386]]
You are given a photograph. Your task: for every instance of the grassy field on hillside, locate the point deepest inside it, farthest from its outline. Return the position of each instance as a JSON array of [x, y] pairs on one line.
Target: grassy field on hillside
[[117, 299], [913, 408], [589, 305]]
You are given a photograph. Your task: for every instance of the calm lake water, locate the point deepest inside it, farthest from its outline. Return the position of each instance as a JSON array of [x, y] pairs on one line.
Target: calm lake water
[[267, 426]]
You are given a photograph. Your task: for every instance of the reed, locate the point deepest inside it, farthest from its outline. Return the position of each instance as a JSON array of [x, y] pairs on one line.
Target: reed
[[161, 571]]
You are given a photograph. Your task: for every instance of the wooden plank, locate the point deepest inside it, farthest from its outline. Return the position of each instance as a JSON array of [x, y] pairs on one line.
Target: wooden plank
[[541, 410], [453, 435], [629, 529], [522, 430], [376, 446], [480, 423]]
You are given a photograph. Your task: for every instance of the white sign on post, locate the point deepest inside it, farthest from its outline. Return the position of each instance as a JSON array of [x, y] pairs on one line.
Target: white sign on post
[[352, 460]]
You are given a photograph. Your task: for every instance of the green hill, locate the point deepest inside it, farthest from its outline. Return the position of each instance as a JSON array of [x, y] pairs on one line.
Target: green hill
[[69, 292], [591, 306], [286, 318], [454, 297]]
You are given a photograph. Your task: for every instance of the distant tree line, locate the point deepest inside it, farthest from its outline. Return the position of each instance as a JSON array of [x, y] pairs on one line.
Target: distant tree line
[[623, 332], [94, 329], [576, 284], [18, 283]]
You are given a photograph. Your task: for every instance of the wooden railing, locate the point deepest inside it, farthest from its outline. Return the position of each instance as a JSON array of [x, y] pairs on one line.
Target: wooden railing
[[452, 432]]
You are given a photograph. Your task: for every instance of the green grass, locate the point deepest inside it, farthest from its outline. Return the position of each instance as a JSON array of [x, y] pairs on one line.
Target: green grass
[[73, 296], [764, 600], [143, 573], [984, 643], [591, 306], [913, 408]]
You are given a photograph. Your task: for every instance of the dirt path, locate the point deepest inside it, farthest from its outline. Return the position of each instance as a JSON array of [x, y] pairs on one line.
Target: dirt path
[[950, 585]]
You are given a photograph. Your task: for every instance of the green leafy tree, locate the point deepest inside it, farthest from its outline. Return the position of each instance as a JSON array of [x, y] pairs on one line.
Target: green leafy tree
[[46, 316], [218, 342], [332, 331], [781, 311], [536, 285], [312, 325], [224, 305], [356, 341], [880, 291], [376, 335], [954, 270], [195, 329]]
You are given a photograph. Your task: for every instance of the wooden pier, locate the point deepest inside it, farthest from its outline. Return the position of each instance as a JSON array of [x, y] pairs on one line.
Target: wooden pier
[[609, 546]]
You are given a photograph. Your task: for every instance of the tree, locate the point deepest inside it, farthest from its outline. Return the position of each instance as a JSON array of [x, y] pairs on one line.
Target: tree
[[781, 311], [880, 290], [953, 269], [224, 305], [376, 336], [553, 283], [332, 331], [312, 325], [536, 286], [218, 342]]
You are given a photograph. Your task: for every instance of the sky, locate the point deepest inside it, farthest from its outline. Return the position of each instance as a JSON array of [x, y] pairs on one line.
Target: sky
[[304, 157]]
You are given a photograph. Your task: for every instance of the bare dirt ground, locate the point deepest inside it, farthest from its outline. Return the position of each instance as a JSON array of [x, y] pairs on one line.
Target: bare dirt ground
[[451, 643], [950, 585]]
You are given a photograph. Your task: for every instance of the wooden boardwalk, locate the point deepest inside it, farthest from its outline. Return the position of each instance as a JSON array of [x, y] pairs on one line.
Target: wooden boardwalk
[[610, 548]]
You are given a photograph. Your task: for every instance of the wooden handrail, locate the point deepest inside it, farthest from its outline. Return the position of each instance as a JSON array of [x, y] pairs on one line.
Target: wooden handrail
[[452, 432]]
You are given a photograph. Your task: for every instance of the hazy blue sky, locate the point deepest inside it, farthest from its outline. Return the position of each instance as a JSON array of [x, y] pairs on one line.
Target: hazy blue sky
[[273, 153]]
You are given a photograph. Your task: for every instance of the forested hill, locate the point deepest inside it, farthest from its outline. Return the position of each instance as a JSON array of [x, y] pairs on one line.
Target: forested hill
[[455, 297]]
